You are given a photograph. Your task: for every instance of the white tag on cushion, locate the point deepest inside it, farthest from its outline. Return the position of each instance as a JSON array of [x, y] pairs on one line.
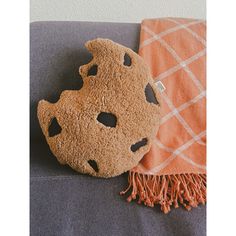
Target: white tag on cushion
[[160, 86]]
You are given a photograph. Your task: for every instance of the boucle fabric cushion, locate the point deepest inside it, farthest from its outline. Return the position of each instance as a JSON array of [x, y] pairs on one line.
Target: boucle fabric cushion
[[105, 128]]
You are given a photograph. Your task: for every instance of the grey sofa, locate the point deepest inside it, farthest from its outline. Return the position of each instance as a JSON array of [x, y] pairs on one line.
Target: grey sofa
[[63, 202]]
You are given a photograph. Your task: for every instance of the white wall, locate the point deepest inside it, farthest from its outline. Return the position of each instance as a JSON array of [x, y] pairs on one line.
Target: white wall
[[114, 10]]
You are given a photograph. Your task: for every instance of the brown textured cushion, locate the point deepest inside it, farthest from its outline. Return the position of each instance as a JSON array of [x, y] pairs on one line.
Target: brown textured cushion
[[106, 127]]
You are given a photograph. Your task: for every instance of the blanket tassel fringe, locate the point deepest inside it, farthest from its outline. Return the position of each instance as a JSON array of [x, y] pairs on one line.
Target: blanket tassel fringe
[[167, 190]]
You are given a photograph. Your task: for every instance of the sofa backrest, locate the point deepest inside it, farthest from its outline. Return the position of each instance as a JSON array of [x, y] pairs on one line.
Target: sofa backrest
[[57, 51]]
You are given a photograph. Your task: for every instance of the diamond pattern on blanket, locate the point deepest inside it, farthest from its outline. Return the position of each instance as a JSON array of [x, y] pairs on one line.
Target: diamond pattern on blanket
[[175, 50]]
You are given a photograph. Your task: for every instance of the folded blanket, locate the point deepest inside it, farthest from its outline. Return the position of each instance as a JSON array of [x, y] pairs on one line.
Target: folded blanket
[[174, 170]]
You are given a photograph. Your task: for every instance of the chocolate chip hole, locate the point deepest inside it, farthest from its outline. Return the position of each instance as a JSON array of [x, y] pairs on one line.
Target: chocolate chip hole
[[94, 165], [135, 147], [54, 128], [150, 95], [93, 70], [107, 119], [127, 60]]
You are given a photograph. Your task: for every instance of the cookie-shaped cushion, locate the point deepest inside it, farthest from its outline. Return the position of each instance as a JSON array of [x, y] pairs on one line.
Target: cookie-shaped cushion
[[106, 127]]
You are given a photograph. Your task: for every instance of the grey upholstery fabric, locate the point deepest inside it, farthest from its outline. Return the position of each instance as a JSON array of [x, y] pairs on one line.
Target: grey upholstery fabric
[[63, 202]]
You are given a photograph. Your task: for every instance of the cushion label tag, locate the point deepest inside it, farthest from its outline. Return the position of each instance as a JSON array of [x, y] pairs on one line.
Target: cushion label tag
[[160, 86]]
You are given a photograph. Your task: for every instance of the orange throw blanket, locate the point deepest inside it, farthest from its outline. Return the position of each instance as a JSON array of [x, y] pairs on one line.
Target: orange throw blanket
[[174, 170]]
